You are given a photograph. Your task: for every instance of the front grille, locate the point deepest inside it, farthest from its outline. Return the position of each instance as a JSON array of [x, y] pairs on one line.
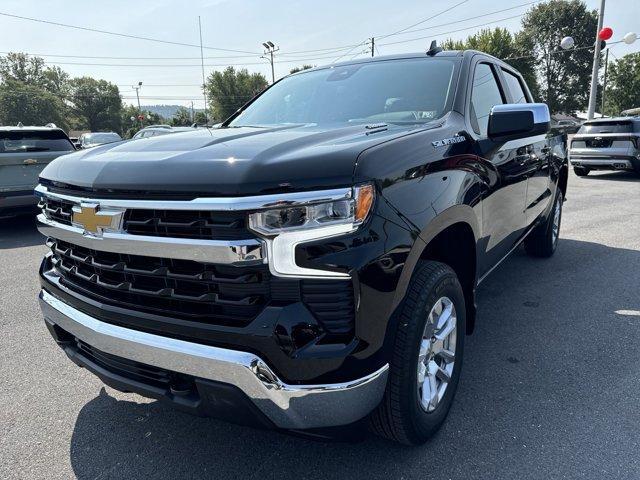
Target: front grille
[[57, 210], [204, 224], [211, 294], [224, 295], [187, 224]]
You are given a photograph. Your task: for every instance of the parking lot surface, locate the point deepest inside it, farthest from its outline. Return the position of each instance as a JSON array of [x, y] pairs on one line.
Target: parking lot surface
[[550, 386]]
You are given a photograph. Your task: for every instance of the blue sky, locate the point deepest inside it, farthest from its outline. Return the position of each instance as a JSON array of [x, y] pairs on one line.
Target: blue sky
[[243, 25]]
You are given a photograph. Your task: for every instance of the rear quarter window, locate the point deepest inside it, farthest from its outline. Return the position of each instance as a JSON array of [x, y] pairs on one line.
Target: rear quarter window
[[34, 141]]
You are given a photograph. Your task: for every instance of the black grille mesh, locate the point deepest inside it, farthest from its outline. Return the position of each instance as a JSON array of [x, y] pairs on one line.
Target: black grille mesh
[[180, 288], [187, 224]]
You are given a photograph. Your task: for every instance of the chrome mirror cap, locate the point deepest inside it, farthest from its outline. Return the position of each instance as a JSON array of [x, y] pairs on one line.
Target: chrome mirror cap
[[518, 120]]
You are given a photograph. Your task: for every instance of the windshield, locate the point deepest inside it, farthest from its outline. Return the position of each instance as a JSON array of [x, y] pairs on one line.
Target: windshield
[[38, 141], [101, 138], [606, 127], [391, 91]]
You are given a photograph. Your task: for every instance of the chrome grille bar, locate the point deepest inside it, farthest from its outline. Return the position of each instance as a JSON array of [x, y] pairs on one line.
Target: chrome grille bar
[[233, 252]]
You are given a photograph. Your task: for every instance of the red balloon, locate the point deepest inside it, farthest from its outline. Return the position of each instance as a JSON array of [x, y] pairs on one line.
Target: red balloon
[[606, 33]]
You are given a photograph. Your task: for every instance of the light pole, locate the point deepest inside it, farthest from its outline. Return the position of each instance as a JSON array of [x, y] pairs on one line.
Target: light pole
[[204, 81], [596, 66], [137, 89], [270, 49]]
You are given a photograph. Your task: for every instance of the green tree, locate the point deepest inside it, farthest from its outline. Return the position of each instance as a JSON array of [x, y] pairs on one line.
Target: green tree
[[230, 89], [56, 81], [299, 69], [623, 84], [97, 102], [563, 76], [30, 105], [182, 118], [201, 118], [499, 42], [22, 68]]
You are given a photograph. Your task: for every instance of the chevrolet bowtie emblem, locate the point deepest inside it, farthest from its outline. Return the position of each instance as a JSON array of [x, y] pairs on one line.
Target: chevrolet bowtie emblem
[[94, 221]]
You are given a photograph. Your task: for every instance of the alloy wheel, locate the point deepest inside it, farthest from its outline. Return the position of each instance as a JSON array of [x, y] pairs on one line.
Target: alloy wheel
[[437, 354]]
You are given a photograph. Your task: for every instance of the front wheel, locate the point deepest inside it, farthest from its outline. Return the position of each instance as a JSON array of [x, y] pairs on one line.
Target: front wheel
[[543, 241], [427, 357], [581, 171]]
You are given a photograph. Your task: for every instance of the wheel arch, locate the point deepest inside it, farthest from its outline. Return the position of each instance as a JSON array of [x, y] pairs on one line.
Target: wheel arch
[[450, 238]]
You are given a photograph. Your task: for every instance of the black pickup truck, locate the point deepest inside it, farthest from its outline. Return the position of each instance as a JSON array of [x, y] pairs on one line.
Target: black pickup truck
[[311, 264]]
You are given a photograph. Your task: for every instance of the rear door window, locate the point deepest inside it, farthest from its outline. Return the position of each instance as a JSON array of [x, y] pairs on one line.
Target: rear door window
[[19, 141]]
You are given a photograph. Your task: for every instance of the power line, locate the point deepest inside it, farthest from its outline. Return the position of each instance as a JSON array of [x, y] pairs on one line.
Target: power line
[[466, 19], [350, 50], [326, 50], [439, 34], [425, 20], [130, 58], [288, 54], [125, 35], [162, 65]]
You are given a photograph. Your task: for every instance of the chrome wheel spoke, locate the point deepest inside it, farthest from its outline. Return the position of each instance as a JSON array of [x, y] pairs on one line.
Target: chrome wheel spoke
[[443, 375], [430, 388], [425, 345], [447, 355], [446, 329], [422, 372], [436, 356]]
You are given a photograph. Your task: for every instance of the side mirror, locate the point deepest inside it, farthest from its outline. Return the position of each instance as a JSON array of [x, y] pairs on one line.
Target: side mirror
[[518, 120]]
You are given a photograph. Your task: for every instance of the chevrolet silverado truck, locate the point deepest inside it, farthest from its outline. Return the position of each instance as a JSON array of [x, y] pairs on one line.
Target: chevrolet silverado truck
[[606, 144], [312, 264]]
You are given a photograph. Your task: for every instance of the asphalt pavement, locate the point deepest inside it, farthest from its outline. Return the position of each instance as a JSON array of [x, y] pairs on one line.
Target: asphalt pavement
[[550, 388]]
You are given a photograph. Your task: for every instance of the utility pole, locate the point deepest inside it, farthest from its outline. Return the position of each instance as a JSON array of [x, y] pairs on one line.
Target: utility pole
[[373, 45], [270, 49], [193, 116], [604, 80], [138, 97], [204, 82], [596, 66]]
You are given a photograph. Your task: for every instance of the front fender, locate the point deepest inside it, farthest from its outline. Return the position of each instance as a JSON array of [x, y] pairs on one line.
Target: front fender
[[451, 216]]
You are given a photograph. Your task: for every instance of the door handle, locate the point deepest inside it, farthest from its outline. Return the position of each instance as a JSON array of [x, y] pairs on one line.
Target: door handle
[[30, 161]]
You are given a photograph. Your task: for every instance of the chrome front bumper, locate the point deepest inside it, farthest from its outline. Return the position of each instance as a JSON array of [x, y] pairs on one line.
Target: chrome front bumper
[[287, 406]]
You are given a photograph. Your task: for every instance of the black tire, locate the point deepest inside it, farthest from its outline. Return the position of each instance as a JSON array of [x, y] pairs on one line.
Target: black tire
[[400, 416], [581, 171], [542, 242]]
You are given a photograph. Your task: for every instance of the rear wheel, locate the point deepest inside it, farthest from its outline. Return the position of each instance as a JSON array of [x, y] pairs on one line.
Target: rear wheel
[[581, 171], [542, 242], [427, 357]]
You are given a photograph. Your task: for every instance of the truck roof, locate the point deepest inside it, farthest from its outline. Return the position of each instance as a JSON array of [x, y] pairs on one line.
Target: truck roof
[[6, 128], [381, 58]]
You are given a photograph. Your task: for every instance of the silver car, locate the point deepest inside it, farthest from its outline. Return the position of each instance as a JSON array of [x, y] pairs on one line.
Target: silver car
[[606, 144], [24, 152]]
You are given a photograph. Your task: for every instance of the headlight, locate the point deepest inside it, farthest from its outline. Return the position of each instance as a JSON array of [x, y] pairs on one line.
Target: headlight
[[315, 217], [348, 211]]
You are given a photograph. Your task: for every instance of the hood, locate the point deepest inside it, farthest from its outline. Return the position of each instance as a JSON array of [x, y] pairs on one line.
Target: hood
[[225, 161]]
